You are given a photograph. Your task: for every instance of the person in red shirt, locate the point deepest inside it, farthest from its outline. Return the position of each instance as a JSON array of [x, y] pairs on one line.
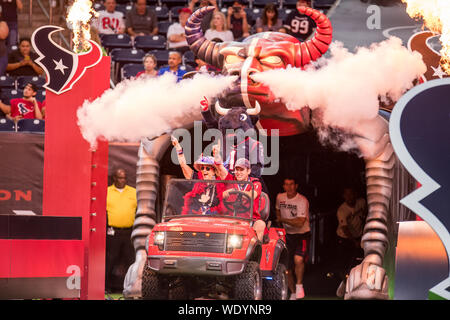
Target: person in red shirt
[[242, 173], [24, 108]]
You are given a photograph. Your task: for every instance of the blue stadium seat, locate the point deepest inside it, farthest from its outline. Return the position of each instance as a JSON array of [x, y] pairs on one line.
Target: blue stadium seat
[[252, 15], [262, 3], [289, 4], [113, 41], [98, 6], [162, 56], [150, 42], [7, 82], [31, 125], [23, 80], [120, 57], [124, 8], [131, 70], [187, 67], [283, 13], [163, 26], [8, 94], [189, 58], [162, 12], [40, 96], [7, 125]]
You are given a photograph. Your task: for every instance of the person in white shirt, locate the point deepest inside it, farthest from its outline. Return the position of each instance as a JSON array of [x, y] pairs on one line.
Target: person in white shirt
[[292, 211], [110, 21], [219, 28], [175, 34]]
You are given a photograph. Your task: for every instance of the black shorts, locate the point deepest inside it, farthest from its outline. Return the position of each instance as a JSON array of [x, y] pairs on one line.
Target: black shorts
[[297, 244]]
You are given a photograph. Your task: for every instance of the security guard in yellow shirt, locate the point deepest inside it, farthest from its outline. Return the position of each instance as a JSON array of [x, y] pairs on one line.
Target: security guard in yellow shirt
[[121, 204]]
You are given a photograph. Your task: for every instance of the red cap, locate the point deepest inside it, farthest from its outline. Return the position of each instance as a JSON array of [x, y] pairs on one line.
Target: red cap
[[186, 10]]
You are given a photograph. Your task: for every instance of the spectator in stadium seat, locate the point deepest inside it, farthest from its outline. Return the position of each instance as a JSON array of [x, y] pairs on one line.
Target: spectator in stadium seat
[[150, 64], [237, 20], [219, 28], [206, 22], [110, 21], [4, 31], [269, 20], [26, 107], [21, 62], [175, 34], [174, 65], [9, 14], [141, 20]]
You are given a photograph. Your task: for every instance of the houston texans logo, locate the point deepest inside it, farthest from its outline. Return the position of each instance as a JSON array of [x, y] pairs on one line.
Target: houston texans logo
[[421, 42], [419, 128], [62, 67]]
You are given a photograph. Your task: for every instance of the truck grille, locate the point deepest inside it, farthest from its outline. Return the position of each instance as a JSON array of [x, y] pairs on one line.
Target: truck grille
[[195, 241]]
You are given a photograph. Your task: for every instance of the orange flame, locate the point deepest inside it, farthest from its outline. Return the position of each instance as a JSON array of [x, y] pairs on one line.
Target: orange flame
[[436, 17], [79, 15]]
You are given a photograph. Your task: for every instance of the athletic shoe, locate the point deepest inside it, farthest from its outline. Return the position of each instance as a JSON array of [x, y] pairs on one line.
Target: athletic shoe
[[299, 292]]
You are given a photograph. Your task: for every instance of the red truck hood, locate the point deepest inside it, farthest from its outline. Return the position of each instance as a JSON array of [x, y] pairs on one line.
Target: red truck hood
[[205, 224]]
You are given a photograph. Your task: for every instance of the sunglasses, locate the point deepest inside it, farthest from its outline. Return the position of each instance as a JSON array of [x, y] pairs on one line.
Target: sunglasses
[[207, 168]]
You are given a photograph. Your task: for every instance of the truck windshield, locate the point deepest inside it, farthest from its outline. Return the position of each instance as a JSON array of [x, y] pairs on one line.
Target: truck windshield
[[217, 198]]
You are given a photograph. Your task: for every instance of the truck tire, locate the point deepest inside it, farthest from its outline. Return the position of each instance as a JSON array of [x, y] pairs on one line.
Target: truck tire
[[154, 287], [248, 284], [277, 288]]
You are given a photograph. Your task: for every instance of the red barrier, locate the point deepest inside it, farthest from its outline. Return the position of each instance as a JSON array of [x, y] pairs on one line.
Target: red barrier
[[75, 178]]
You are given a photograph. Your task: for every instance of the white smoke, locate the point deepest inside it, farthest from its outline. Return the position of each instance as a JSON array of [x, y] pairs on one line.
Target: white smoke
[[346, 87], [147, 107]]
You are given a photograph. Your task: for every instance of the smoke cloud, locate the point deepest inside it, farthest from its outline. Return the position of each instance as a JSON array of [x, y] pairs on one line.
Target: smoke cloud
[[147, 107], [345, 88]]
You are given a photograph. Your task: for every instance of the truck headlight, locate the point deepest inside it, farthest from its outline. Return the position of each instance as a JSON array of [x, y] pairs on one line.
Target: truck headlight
[[158, 239], [234, 241]]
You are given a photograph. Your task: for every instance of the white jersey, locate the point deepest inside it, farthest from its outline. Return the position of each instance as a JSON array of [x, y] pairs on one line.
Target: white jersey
[[353, 218], [109, 23], [176, 28], [296, 207]]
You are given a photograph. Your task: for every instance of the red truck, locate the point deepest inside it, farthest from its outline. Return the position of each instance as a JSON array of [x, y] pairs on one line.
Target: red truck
[[192, 254]]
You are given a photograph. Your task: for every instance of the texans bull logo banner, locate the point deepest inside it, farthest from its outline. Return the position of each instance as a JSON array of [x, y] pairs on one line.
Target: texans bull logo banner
[[62, 67]]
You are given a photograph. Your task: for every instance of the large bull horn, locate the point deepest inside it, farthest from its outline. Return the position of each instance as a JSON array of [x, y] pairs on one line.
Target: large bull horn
[[314, 48], [254, 111], [203, 48]]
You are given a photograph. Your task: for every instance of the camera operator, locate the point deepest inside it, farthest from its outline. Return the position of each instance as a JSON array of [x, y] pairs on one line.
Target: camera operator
[[237, 20]]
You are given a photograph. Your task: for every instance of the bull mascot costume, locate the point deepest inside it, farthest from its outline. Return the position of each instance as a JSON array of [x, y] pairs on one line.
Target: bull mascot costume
[[257, 53]]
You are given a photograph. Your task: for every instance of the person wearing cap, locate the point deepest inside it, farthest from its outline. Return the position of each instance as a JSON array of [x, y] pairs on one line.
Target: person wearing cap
[[141, 21], [26, 107], [237, 20], [175, 34], [205, 198]]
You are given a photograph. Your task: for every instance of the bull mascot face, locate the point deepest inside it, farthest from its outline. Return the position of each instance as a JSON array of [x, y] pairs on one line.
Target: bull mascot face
[[257, 53]]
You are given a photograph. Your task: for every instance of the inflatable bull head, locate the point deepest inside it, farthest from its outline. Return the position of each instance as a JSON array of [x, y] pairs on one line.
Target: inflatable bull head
[[257, 53]]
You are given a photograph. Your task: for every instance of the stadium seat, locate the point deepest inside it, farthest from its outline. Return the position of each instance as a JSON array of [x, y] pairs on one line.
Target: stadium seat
[[163, 26], [31, 125], [189, 58], [113, 41], [98, 6], [131, 70], [162, 56], [147, 43], [262, 3], [40, 96], [23, 80], [289, 4], [252, 15], [8, 94], [124, 8], [283, 13], [7, 82], [187, 67], [7, 125], [120, 57], [162, 12]]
